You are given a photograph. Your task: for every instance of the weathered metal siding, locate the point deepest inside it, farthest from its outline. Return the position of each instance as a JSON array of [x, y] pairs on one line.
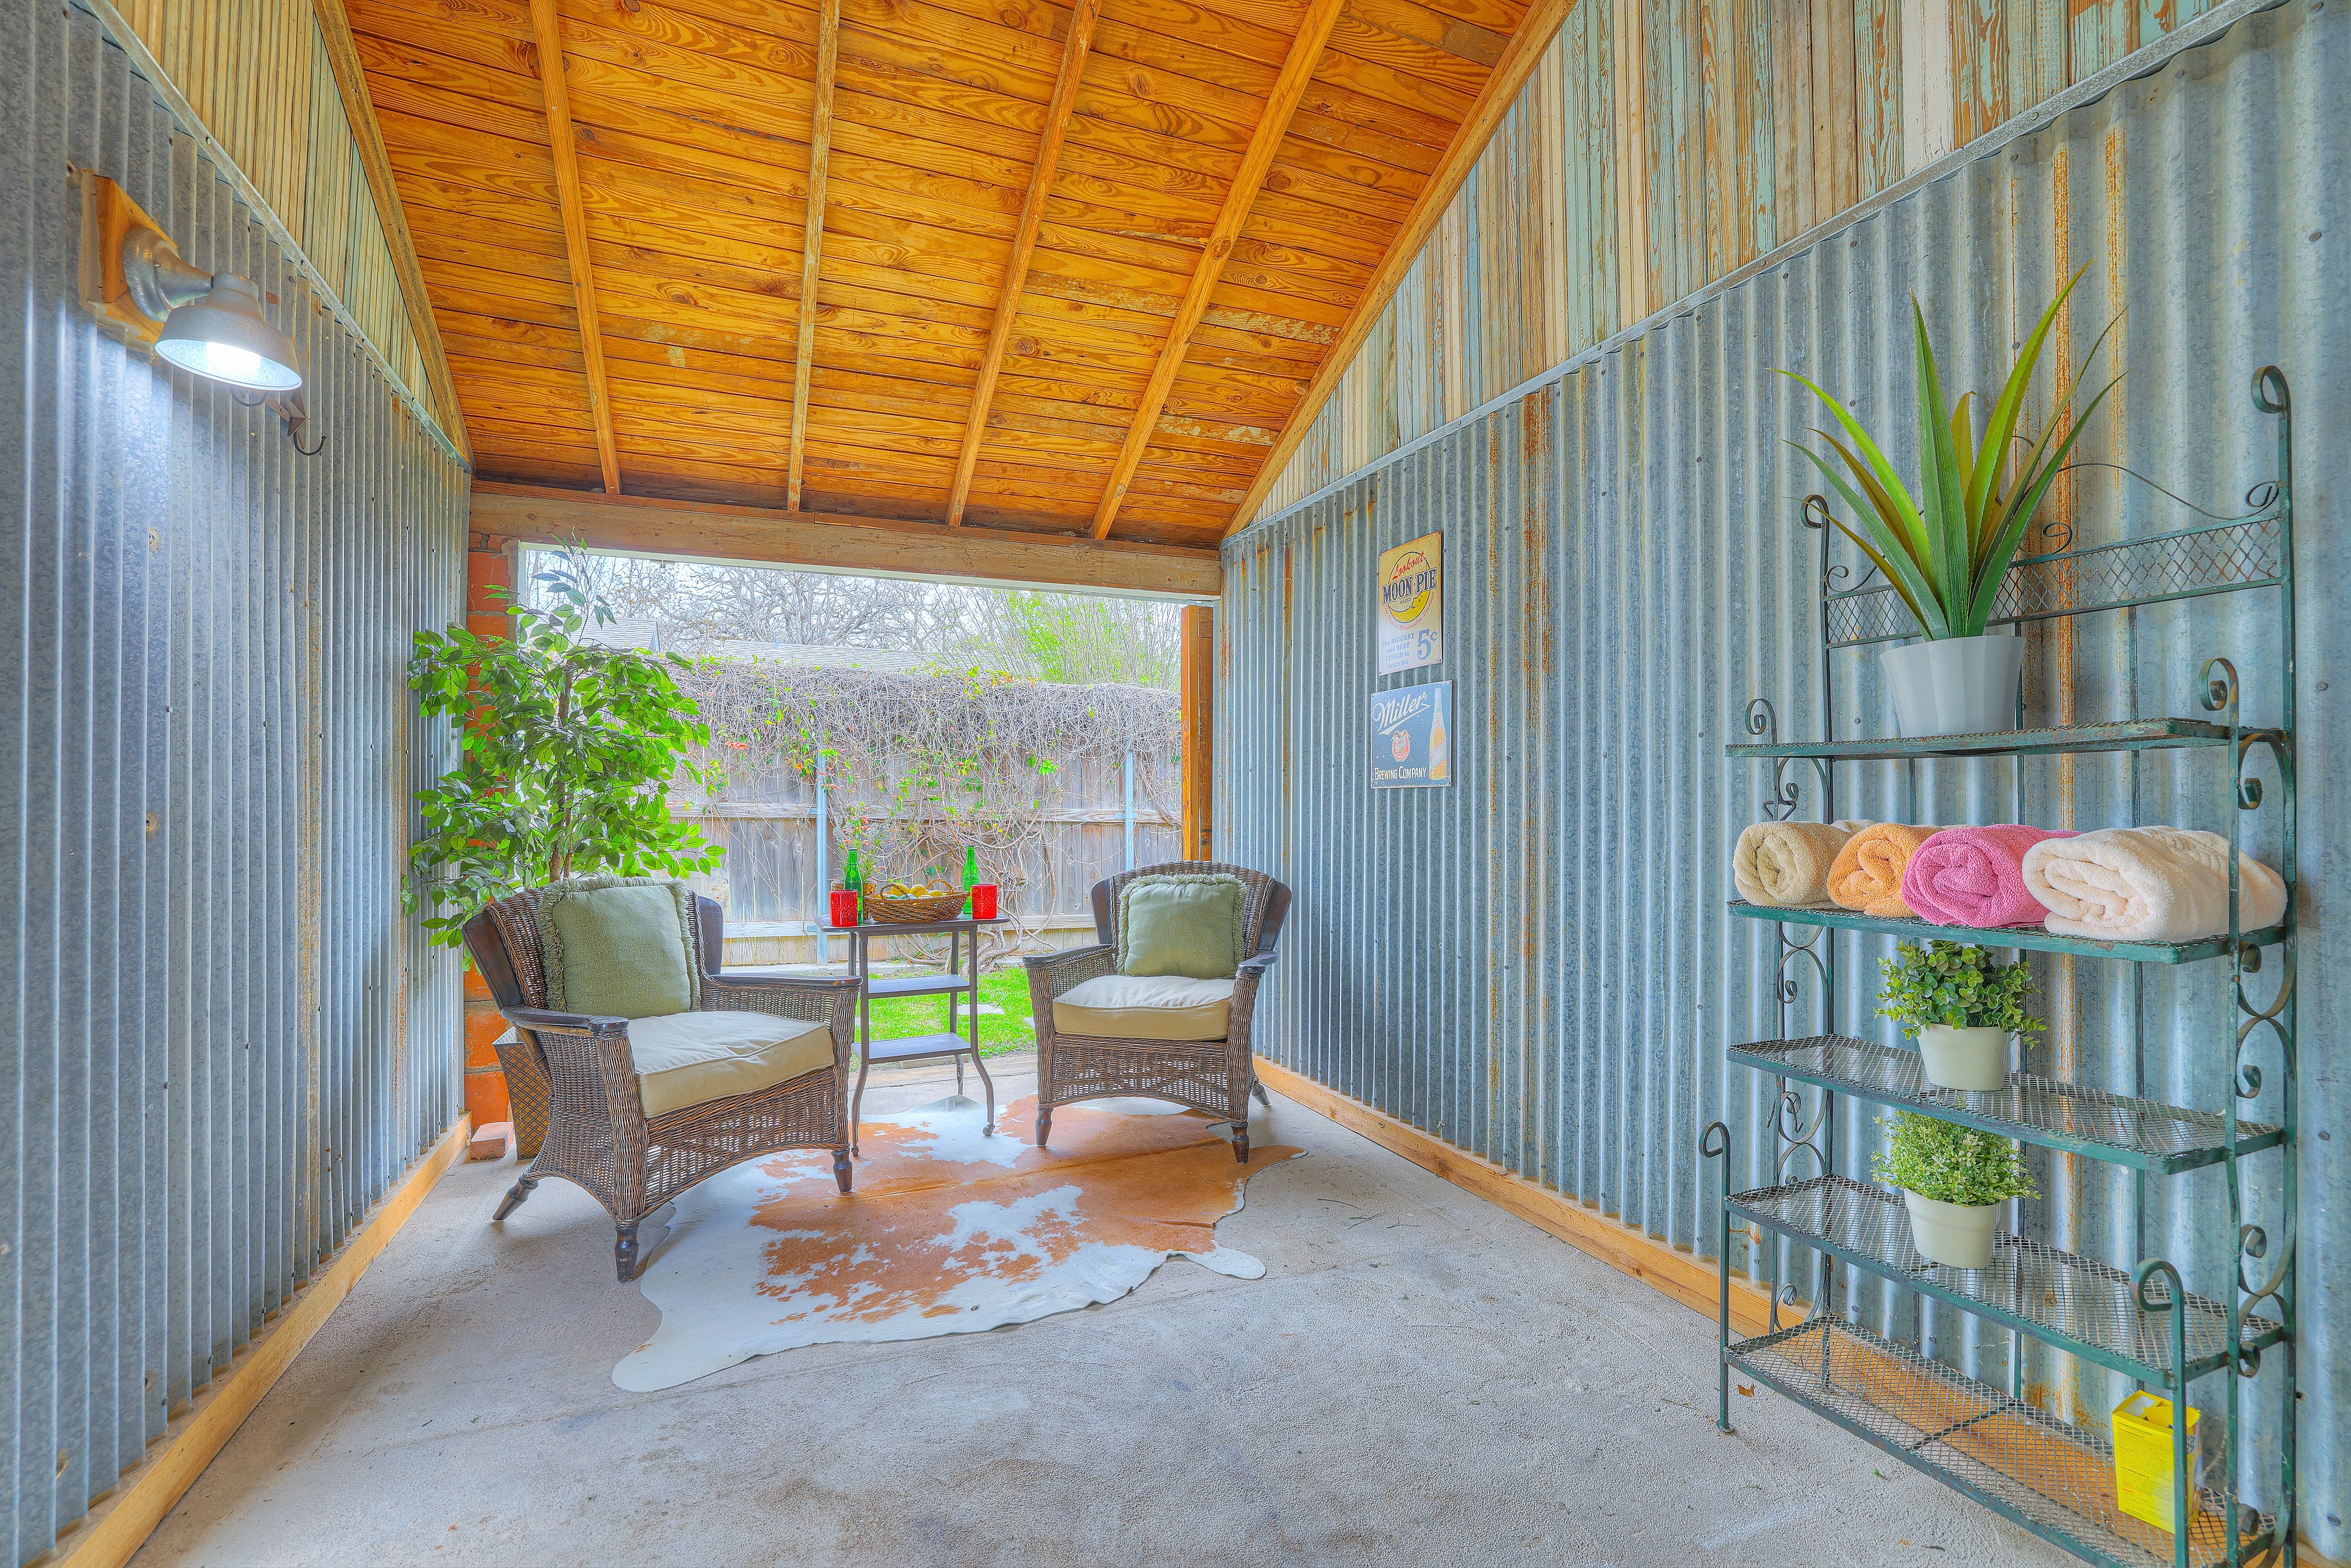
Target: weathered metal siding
[[1536, 963], [221, 1040]]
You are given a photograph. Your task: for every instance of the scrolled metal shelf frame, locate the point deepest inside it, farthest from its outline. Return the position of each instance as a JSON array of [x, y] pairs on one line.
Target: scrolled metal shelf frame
[[2221, 554]]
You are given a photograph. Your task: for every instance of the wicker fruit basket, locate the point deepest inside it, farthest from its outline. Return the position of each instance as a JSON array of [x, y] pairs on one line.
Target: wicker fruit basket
[[919, 911]]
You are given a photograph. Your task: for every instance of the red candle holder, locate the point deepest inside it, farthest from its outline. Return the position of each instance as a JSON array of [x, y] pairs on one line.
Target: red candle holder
[[844, 907], [983, 901]]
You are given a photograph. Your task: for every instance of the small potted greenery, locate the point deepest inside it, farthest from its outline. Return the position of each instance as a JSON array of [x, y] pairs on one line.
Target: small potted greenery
[[1953, 1181], [1962, 1005], [1947, 550]]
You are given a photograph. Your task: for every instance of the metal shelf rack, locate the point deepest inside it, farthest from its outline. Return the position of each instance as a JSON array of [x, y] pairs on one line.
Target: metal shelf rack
[[2054, 1479]]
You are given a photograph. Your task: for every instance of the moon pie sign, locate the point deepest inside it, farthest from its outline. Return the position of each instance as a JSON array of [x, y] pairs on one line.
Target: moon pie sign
[[1411, 615]]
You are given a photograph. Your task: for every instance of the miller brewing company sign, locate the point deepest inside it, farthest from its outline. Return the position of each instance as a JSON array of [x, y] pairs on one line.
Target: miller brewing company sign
[[1412, 747], [1411, 620]]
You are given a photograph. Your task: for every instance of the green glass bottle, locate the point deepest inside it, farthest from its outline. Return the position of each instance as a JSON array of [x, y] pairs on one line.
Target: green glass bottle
[[970, 875], [850, 877]]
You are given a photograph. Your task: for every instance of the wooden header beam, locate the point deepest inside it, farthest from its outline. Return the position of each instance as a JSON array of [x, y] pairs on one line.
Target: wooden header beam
[[828, 60], [375, 162], [546, 30], [1501, 90], [1297, 73], [1082, 16], [865, 547]]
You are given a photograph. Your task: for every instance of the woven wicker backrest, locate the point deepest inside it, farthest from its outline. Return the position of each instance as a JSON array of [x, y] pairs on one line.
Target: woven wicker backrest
[[1269, 900], [513, 924]]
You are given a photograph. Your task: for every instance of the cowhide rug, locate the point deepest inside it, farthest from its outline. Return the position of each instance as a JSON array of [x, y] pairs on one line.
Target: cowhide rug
[[948, 1231]]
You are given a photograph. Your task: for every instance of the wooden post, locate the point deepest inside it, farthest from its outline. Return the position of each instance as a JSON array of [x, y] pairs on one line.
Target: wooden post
[[1199, 729]]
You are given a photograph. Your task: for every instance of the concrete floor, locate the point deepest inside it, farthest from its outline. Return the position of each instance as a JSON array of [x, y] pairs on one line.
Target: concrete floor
[[1419, 1378]]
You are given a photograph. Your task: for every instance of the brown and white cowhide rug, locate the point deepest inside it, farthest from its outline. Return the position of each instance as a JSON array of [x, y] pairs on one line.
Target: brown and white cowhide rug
[[948, 1231]]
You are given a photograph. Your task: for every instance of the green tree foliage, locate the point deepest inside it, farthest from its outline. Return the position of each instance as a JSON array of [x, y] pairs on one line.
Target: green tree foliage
[[570, 747]]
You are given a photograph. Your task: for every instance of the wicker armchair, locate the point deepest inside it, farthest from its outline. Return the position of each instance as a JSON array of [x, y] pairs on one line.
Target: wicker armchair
[[574, 1084], [1212, 1075]]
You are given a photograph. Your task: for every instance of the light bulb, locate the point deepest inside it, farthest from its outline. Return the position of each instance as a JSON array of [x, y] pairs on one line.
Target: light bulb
[[240, 365]]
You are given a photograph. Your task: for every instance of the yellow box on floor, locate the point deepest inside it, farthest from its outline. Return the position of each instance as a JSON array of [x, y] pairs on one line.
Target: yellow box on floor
[[688, 1058], [2143, 1459], [1144, 1007]]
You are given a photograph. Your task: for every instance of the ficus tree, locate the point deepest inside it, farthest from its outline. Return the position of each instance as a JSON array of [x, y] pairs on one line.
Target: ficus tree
[[569, 749]]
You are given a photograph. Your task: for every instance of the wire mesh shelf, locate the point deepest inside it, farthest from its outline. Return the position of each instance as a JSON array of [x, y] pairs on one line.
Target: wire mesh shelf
[[2218, 558], [2062, 1298], [2054, 1480], [2039, 938], [2128, 734], [2145, 1134]]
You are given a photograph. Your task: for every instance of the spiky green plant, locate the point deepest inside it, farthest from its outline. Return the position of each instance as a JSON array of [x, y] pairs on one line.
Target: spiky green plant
[[1945, 549]]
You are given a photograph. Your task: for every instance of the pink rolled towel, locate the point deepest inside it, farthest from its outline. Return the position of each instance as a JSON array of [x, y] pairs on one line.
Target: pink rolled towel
[[1975, 876]]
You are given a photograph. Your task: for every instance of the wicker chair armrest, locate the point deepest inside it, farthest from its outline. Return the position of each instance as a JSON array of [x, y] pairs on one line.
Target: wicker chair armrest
[[570, 1023], [813, 999], [1060, 972], [1253, 969]]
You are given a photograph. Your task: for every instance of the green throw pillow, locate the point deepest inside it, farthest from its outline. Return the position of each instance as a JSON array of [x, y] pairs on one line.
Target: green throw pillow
[[1182, 924], [619, 947]]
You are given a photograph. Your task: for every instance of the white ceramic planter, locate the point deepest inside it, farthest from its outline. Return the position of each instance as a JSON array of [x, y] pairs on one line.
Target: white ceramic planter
[[1974, 1059], [1957, 1234], [1955, 686]]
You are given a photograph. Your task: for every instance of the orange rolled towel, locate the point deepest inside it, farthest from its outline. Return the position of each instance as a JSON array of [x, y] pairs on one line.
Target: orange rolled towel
[[1867, 874]]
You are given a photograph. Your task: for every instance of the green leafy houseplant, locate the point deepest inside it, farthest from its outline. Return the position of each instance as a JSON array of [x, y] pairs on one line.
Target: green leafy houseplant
[[1945, 549], [1956, 985], [570, 747], [1950, 1164]]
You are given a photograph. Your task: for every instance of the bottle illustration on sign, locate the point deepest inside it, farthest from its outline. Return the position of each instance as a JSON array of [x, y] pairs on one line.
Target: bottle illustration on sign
[[1438, 761]]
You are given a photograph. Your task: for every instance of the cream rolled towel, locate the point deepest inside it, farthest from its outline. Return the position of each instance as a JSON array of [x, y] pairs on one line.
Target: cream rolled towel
[[1867, 874], [1786, 864], [2149, 884]]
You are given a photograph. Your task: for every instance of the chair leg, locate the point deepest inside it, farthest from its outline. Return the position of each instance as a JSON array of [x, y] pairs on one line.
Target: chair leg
[[625, 1252], [840, 1168], [1240, 1140], [522, 1188], [1256, 1087], [1044, 1125]]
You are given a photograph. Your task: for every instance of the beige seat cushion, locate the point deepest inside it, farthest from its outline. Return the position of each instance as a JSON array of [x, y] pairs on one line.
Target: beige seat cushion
[[687, 1059], [1144, 1007]]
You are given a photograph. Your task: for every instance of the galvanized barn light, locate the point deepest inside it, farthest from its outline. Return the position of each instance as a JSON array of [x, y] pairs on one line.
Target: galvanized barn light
[[212, 323]]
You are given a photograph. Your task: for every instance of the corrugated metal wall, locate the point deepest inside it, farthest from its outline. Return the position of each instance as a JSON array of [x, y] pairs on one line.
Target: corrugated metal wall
[[221, 1040], [1536, 963], [1661, 144]]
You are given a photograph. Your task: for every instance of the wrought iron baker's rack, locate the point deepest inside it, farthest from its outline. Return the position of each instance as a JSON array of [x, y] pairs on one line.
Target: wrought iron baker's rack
[[2053, 1478]]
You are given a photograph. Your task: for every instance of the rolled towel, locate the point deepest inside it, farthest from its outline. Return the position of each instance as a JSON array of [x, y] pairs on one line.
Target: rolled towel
[[1975, 876], [2149, 884], [1867, 874], [1786, 864]]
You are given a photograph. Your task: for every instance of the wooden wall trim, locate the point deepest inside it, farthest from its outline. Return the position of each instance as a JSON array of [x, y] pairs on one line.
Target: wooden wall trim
[[1079, 38], [375, 162], [1199, 711], [119, 1525], [547, 29], [828, 61], [824, 541], [1527, 45], [1686, 1277], [1297, 72]]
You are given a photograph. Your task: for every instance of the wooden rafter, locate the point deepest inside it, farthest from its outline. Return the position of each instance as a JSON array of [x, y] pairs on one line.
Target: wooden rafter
[[547, 31], [1297, 72], [1082, 16], [827, 57], [1502, 90], [375, 160]]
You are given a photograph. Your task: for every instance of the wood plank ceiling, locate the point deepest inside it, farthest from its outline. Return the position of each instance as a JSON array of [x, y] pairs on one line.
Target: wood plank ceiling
[[1073, 266]]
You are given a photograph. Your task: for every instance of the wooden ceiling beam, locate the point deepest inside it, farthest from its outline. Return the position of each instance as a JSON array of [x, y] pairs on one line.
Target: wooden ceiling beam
[[1297, 72], [546, 30], [1082, 16], [828, 60], [375, 162], [1501, 90], [863, 546]]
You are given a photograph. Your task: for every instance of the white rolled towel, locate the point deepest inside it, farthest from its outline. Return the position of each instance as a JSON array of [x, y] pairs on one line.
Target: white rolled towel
[[1786, 864], [2149, 884]]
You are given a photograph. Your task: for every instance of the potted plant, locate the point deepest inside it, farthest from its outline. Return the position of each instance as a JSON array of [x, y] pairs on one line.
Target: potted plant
[[1962, 1005], [1953, 1181], [1946, 549]]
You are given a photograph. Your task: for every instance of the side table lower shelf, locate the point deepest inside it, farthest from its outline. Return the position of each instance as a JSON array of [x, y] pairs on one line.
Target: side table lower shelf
[[2055, 1480]]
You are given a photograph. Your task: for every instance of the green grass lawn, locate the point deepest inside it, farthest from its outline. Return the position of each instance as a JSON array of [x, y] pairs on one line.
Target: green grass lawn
[[1004, 1017]]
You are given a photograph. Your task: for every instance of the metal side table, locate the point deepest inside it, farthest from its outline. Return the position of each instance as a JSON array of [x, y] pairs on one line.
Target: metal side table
[[960, 977]]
